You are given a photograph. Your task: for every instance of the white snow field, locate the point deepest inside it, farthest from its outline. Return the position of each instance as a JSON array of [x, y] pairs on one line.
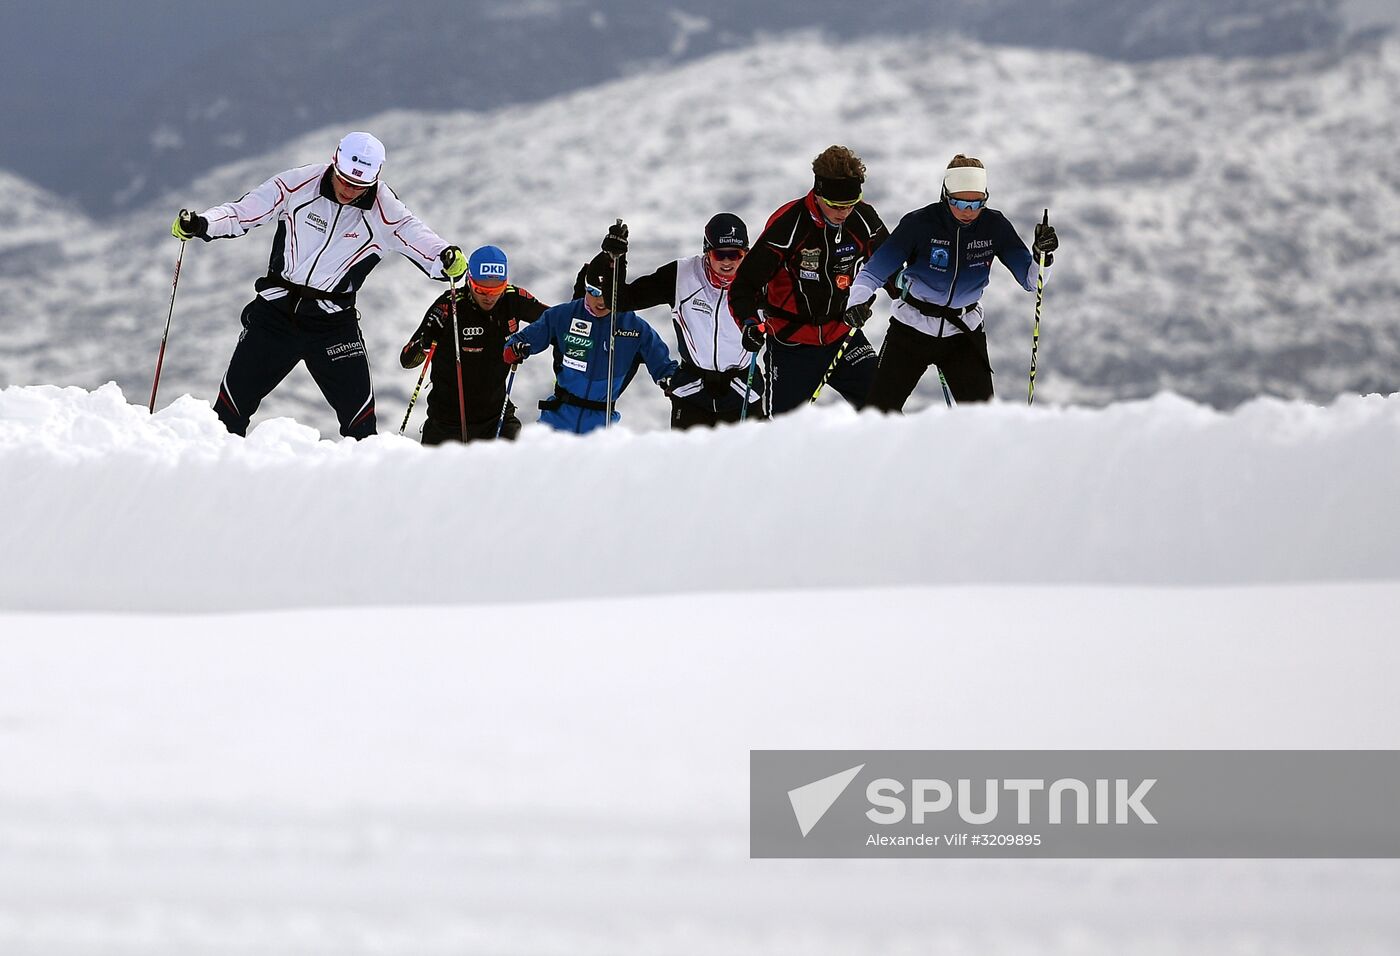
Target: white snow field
[[499, 699]]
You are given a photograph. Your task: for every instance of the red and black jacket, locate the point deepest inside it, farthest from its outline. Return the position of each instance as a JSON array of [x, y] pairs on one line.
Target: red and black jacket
[[800, 271]]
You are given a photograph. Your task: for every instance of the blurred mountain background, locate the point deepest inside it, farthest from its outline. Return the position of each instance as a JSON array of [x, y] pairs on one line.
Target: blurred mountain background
[[1223, 178]]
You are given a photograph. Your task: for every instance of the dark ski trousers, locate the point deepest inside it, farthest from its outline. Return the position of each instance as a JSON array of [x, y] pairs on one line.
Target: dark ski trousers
[[716, 401], [687, 413], [274, 341], [437, 432], [795, 371], [908, 353]]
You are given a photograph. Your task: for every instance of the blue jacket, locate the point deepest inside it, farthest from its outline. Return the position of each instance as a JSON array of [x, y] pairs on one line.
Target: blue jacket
[[580, 342], [945, 262]]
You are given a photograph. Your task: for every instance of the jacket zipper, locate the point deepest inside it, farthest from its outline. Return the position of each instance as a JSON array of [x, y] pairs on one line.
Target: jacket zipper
[[330, 236], [957, 263], [719, 305]]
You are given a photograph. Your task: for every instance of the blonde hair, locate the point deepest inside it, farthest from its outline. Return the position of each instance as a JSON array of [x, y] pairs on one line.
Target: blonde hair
[[838, 162]]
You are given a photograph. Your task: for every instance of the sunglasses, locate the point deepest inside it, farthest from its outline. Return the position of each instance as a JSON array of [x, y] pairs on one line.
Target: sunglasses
[[966, 203], [593, 290], [488, 287], [841, 205], [335, 170], [728, 255]]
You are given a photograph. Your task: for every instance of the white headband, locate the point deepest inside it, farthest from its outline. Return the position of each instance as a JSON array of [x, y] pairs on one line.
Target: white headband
[[965, 179]]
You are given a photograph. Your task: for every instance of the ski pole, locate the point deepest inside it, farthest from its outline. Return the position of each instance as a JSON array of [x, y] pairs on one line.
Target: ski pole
[[1039, 298], [457, 351], [748, 386], [845, 341], [947, 395], [160, 359], [510, 381], [413, 399], [612, 339]]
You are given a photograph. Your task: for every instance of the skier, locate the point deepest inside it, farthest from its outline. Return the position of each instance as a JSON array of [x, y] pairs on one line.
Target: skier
[[334, 221], [488, 310], [798, 275], [711, 385], [946, 250], [581, 336]]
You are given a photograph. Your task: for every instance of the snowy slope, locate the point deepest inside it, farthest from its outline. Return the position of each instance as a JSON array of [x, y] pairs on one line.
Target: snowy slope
[[1019, 495], [571, 778], [1197, 253], [555, 759]]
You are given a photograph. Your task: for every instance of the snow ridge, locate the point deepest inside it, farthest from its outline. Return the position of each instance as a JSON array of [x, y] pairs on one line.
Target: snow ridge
[[113, 509]]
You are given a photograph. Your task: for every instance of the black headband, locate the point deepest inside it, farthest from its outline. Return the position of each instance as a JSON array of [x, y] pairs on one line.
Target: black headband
[[844, 189]]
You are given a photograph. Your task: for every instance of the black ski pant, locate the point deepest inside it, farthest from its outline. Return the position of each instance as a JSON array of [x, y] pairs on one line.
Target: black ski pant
[[436, 432], [271, 345], [706, 398], [691, 414], [795, 371], [908, 353]]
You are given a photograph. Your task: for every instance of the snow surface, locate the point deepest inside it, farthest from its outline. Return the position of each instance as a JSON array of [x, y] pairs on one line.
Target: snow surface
[[1156, 492], [499, 699]]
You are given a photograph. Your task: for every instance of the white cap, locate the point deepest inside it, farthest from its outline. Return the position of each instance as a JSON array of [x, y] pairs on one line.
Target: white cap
[[965, 179], [359, 157]]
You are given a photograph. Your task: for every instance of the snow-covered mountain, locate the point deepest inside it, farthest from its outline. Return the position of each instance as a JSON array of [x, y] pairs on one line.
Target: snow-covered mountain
[[154, 93], [500, 699], [1228, 226]]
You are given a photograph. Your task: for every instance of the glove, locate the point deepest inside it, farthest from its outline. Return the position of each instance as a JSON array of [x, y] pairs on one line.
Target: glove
[[664, 383], [752, 335], [857, 315], [516, 352], [434, 327], [1046, 242], [615, 242], [453, 262], [189, 225]]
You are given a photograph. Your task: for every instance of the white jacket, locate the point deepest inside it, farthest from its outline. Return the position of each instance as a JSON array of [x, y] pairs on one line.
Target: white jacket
[[321, 244], [708, 334]]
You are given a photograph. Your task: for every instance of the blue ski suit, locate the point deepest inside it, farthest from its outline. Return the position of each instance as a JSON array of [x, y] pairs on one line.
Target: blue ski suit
[[580, 341], [946, 263], [938, 318]]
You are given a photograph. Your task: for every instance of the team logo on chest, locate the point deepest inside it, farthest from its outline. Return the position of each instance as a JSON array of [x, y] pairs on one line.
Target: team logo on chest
[[581, 327], [938, 258], [809, 263]]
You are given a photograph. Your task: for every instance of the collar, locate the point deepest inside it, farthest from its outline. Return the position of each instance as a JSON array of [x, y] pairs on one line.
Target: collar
[[366, 200], [815, 211], [715, 279]]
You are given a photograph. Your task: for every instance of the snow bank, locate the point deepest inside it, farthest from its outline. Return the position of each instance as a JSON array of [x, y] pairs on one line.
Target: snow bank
[[112, 509]]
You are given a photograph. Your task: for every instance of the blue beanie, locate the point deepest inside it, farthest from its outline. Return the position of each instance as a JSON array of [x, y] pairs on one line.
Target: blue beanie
[[487, 265]]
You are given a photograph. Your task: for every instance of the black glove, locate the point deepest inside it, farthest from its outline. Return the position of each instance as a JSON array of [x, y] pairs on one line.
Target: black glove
[[857, 315], [752, 335], [435, 326], [454, 264], [615, 242], [516, 351], [1046, 242], [189, 225], [664, 383]]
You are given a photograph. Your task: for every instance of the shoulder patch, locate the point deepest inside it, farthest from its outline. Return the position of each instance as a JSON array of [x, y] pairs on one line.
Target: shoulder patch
[[523, 293]]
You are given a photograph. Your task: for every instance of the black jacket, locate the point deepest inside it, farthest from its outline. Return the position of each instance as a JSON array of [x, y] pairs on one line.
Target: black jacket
[[483, 337]]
